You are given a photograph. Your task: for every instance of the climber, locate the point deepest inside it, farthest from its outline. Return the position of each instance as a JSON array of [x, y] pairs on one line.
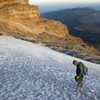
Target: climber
[[81, 70]]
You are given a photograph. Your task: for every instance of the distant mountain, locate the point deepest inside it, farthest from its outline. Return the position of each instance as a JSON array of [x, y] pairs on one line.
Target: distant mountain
[[82, 22]]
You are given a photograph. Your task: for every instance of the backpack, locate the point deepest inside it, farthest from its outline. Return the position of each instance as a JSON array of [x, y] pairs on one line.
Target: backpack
[[85, 69]]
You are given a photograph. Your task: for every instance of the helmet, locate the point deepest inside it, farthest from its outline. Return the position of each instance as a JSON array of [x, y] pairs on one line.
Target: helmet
[[75, 62]]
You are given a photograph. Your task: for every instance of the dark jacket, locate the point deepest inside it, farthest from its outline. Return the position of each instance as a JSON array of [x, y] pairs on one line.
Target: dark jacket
[[80, 69]]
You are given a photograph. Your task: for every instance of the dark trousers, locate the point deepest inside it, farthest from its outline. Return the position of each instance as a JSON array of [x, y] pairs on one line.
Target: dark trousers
[[79, 80]]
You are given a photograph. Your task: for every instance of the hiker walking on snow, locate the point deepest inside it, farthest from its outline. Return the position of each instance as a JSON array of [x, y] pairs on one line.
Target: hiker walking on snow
[[81, 70]]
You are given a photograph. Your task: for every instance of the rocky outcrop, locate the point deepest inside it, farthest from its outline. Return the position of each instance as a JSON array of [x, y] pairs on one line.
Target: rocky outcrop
[[28, 16], [21, 20], [17, 1], [18, 9]]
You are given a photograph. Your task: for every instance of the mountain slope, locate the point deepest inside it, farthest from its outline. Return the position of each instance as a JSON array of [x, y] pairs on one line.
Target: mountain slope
[[82, 22], [31, 72], [23, 21]]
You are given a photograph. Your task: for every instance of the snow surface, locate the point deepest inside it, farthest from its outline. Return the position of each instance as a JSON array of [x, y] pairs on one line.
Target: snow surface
[[32, 72]]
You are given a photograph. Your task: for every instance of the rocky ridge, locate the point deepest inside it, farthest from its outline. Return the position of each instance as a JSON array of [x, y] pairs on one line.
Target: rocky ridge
[[23, 21]]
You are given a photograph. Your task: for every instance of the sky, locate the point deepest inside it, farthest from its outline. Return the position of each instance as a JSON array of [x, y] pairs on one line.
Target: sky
[[51, 5], [63, 1]]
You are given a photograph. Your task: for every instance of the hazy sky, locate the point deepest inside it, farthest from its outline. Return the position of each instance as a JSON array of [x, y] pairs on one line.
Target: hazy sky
[[63, 1], [51, 5]]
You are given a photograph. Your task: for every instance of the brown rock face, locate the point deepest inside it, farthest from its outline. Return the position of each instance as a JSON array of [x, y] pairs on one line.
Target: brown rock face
[[21, 20], [20, 9], [20, 13], [17, 1]]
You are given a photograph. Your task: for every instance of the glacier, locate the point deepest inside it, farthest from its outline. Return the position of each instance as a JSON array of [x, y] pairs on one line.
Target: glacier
[[31, 72]]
